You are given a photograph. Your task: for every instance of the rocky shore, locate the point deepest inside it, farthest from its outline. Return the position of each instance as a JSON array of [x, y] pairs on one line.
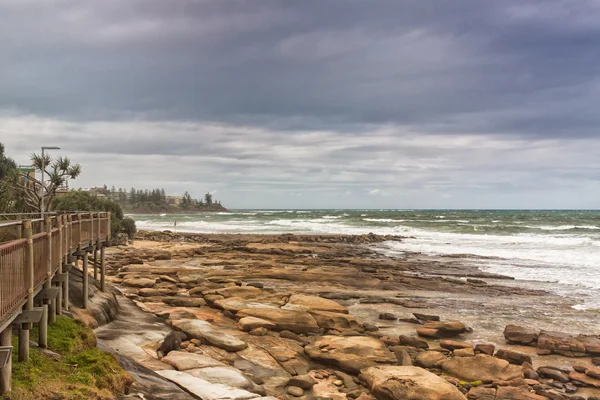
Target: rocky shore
[[332, 317]]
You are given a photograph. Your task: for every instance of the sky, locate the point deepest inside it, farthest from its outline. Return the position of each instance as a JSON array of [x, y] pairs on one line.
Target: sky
[[312, 104]]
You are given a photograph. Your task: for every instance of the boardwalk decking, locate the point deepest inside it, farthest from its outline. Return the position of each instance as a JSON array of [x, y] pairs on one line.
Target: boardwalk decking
[[34, 271]]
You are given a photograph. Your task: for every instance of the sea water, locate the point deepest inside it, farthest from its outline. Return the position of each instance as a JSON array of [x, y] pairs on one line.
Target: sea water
[[562, 247]]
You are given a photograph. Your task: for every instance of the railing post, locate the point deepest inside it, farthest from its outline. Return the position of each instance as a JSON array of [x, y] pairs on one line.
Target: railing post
[[51, 316], [24, 328], [108, 233], [86, 279], [6, 372], [67, 260], [61, 252], [102, 269], [94, 242]]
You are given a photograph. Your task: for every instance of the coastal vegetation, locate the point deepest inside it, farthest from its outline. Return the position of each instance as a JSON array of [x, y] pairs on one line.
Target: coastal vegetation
[[137, 201], [72, 368], [82, 201], [20, 191]]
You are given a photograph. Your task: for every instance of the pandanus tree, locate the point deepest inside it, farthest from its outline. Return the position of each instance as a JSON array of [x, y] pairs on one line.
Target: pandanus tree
[[57, 172]]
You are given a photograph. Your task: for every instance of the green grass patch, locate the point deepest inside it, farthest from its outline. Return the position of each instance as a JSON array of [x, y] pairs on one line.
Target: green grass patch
[[81, 371]]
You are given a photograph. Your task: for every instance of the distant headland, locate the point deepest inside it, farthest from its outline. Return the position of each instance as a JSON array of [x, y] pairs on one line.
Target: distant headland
[[156, 201]]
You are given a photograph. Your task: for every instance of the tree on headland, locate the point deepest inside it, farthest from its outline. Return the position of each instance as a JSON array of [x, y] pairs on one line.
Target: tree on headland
[[35, 192], [208, 199]]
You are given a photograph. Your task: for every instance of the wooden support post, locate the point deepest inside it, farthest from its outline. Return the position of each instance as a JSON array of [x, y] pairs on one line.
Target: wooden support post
[[43, 339], [102, 270], [95, 258], [23, 344], [86, 277], [24, 328], [6, 372]]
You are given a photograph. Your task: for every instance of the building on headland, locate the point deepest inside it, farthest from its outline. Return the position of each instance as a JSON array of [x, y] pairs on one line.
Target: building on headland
[[174, 200], [99, 192]]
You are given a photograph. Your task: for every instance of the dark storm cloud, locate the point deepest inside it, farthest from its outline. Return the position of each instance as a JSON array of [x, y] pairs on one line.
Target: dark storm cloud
[[353, 103], [308, 65]]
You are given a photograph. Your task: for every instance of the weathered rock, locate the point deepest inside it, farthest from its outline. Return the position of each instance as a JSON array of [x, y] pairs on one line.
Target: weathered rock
[[429, 359], [206, 390], [302, 381], [351, 353], [553, 373], [468, 352], [455, 344], [426, 317], [482, 393], [336, 321], [408, 383], [250, 323], [485, 349], [583, 378], [520, 335], [516, 393], [481, 368], [235, 304], [139, 282], [184, 301], [594, 372], [295, 321], [224, 375], [413, 342], [182, 360], [156, 292], [514, 357], [442, 329], [212, 335], [288, 353], [236, 291], [317, 303], [260, 331], [567, 345], [387, 316], [295, 391]]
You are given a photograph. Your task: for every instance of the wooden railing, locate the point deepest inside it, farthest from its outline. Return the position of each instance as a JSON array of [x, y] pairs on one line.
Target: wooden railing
[[41, 241]]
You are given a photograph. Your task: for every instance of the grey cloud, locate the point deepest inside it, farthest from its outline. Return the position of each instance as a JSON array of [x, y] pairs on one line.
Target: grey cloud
[[307, 65]]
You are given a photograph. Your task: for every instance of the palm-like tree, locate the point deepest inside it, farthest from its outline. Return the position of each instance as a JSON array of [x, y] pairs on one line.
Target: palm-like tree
[[57, 170]]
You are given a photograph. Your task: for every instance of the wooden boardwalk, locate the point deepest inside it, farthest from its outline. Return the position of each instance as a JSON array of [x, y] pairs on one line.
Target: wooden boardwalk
[[34, 275]]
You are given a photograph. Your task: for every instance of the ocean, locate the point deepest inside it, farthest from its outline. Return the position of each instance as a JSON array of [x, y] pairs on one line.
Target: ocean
[[560, 247]]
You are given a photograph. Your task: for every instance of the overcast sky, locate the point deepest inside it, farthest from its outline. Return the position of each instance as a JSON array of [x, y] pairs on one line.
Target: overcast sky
[[312, 103]]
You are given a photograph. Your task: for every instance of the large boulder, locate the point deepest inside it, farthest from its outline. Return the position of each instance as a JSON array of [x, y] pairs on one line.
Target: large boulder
[[408, 383], [139, 282], [519, 335], [351, 353], [210, 334], [336, 321], [204, 389], [235, 304], [249, 323], [317, 303], [182, 360], [295, 321], [442, 329], [567, 345], [248, 292], [481, 368]]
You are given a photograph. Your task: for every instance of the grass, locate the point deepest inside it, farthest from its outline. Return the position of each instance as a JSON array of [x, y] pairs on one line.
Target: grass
[[81, 372]]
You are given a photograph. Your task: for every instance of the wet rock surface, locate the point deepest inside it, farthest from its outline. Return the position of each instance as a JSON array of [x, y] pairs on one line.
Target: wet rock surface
[[326, 316]]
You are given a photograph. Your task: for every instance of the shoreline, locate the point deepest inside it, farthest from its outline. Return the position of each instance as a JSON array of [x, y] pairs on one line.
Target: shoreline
[[213, 277]]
